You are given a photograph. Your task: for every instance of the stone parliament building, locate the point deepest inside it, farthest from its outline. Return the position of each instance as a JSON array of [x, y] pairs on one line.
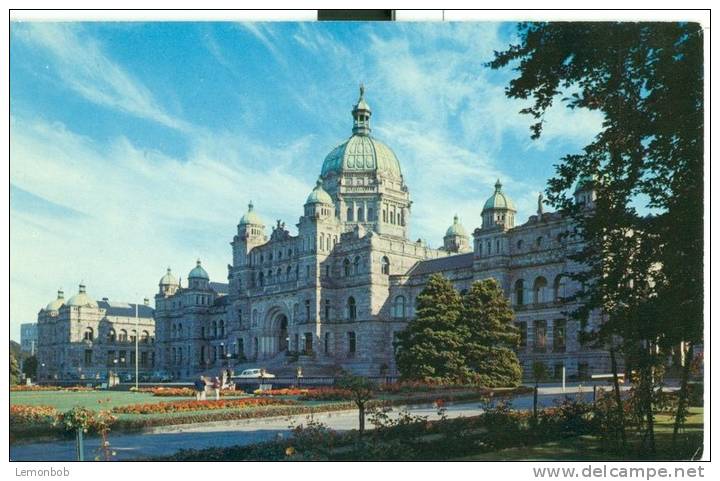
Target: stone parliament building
[[335, 295]]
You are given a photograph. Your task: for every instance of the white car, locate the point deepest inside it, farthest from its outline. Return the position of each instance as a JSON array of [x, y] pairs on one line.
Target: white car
[[255, 373]]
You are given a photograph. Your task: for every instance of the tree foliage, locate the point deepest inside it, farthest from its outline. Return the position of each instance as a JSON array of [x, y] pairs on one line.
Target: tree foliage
[[460, 339], [645, 272]]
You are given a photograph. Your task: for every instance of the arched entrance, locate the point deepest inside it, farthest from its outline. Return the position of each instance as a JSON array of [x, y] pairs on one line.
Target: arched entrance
[[283, 339]]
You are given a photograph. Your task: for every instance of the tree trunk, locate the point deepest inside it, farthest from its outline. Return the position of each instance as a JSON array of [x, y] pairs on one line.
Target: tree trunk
[[618, 399], [683, 395], [361, 418], [647, 389]]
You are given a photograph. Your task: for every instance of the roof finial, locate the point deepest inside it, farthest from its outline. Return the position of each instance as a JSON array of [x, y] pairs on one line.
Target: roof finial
[[362, 90], [198, 262], [498, 185], [169, 270], [250, 206], [455, 219], [540, 205]]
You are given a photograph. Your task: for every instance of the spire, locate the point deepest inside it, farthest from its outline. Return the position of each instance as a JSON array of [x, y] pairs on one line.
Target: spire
[[498, 186], [361, 115]]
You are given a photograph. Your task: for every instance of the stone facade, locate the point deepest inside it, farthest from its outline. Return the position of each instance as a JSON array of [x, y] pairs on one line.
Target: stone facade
[[28, 337], [335, 295], [86, 339]]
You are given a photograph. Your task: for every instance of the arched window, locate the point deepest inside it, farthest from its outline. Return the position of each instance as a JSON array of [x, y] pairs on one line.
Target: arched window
[[111, 335], [356, 265], [519, 245], [352, 343], [400, 307], [385, 263], [559, 288], [222, 328], [123, 336], [349, 214], [288, 272], [214, 329], [89, 334], [180, 330], [254, 321], [519, 292], [322, 241], [327, 309], [145, 338], [539, 290], [360, 215], [352, 308], [327, 343], [370, 214], [539, 241], [346, 267], [296, 313], [307, 310], [279, 274], [261, 279]]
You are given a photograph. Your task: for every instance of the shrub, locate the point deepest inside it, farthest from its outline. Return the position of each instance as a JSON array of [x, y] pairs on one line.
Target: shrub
[[281, 392]]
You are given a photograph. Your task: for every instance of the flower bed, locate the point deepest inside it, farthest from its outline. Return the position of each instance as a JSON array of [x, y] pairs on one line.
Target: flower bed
[[179, 391], [181, 406], [281, 392], [327, 394], [35, 387], [22, 414]]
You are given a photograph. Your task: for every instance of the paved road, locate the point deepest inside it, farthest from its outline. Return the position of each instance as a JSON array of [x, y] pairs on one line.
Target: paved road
[[170, 439]]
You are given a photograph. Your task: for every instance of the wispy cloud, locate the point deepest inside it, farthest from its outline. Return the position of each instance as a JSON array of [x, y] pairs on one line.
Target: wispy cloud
[[85, 68]]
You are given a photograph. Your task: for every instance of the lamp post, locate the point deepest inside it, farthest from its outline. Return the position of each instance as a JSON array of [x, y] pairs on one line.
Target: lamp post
[[137, 337], [42, 365]]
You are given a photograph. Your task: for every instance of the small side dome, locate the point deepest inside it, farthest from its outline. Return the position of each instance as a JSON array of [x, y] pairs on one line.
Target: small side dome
[[81, 299], [319, 195], [168, 279], [198, 272], [251, 217], [56, 304], [583, 182], [456, 229], [499, 200]]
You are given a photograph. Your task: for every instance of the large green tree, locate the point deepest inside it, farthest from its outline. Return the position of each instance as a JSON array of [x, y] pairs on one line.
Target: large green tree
[[14, 370], [487, 319], [644, 271], [431, 345]]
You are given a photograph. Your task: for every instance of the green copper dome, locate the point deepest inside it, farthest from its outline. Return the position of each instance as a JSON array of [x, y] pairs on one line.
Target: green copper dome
[[361, 152], [251, 217], [499, 200], [584, 181], [57, 303], [456, 229], [81, 299], [198, 272], [168, 279], [319, 195]]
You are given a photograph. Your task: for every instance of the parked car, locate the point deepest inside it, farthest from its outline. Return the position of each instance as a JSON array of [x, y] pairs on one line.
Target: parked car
[[255, 373]]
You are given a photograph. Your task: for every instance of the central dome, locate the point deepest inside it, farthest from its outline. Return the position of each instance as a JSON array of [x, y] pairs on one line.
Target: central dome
[[361, 152]]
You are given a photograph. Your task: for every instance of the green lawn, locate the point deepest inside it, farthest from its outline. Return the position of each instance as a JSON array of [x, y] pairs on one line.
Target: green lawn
[[587, 448], [66, 400]]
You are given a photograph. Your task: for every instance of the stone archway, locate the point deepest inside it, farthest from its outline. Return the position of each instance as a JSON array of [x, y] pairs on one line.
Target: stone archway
[[275, 334], [283, 339]]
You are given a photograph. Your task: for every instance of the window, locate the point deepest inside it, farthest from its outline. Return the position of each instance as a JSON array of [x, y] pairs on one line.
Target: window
[[307, 310], [352, 309], [519, 245], [222, 328], [254, 321], [346, 268], [540, 336], [360, 215], [352, 343], [123, 336], [327, 309], [88, 357], [88, 335], [519, 292], [261, 279], [522, 327], [145, 337], [385, 265], [349, 214], [356, 265], [110, 358], [327, 343], [327, 270], [538, 242], [370, 214], [559, 288], [288, 272], [559, 332], [214, 329], [307, 271], [399, 307], [180, 331], [111, 335], [539, 290]]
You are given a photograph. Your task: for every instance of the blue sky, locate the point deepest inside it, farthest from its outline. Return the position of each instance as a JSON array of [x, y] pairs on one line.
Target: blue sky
[[137, 146]]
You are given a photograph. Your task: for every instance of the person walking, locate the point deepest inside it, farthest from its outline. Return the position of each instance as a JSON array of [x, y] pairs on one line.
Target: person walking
[[216, 387], [200, 389]]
